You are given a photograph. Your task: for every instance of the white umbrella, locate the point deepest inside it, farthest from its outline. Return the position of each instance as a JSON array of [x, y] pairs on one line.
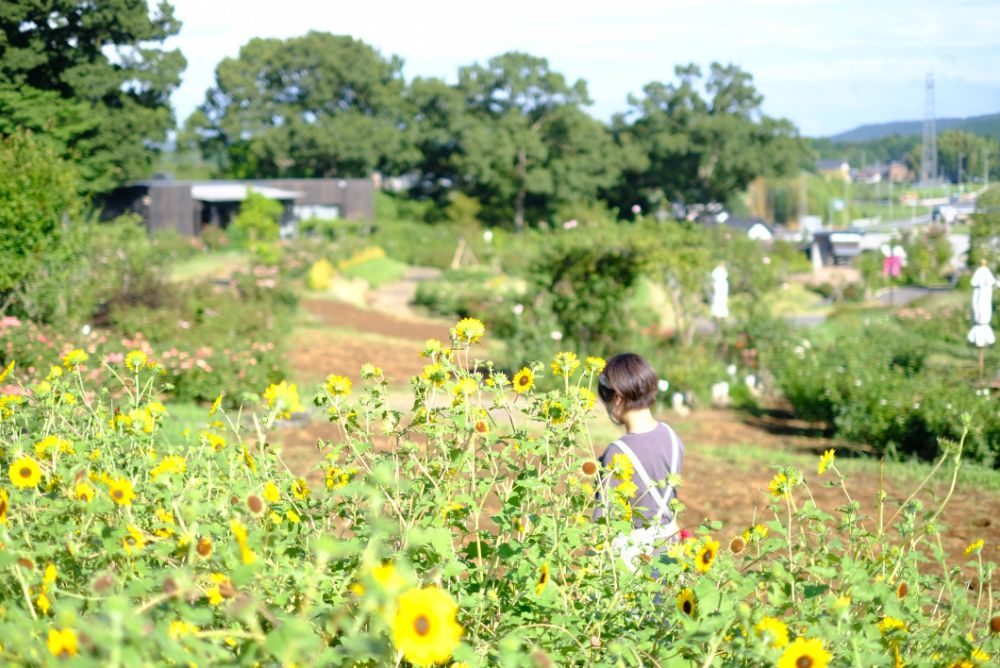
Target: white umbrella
[[720, 292], [981, 334]]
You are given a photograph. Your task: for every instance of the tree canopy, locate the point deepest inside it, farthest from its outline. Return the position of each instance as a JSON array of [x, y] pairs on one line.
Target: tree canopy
[[318, 105], [91, 77]]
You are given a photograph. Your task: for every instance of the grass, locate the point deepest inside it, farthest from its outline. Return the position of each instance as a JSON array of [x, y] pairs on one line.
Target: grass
[[209, 265], [182, 415], [378, 271], [746, 456]]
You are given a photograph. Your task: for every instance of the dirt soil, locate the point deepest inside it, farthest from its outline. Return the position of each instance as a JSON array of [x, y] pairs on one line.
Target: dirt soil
[[733, 492]]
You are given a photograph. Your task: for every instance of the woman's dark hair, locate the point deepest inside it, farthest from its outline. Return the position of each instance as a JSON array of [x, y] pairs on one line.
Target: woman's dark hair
[[630, 377]]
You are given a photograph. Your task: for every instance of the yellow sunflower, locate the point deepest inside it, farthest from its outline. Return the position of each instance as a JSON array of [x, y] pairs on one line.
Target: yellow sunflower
[[338, 386], [424, 629], [524, 380], [135, 360], [25, 472], [216, 404], [134, 540], [805, 654], [565, 364], [6, 371], [772, 631], [824, 461], [469, 330], [687, 603], [543, 579], [84, 492], [435, 374], [706, 555], [594, 364], [975, 548], [779, 486], [121, 491], [74, 358], [300, 489], [4, 505], [284, 398], [271, 493], [62, 643]]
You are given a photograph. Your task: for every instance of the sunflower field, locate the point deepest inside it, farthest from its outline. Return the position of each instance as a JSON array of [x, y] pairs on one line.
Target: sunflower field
[[457, 532]]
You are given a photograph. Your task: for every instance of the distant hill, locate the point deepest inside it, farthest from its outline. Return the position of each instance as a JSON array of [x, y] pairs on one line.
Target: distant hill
[[983, 125]]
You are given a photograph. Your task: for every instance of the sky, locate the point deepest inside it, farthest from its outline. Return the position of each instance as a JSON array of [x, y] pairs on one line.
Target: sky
[[828, 65]]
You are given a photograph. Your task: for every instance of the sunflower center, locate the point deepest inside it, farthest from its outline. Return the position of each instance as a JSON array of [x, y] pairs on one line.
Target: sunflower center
[[25, 471], [687, 607], [804, 662], [706, 558], [422, 625], [523, 380], [117, 494]]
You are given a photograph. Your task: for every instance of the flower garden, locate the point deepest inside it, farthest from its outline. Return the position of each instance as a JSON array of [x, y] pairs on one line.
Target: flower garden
[[457, 532]]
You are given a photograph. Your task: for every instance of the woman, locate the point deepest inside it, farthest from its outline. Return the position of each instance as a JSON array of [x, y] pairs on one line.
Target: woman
[[649, 449]]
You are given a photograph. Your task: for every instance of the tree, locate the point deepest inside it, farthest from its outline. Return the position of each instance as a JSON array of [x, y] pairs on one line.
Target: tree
[[319, 105], [91, 76], [984, 236], [257, 219], [703, 147], [961, 155], [527, 146]]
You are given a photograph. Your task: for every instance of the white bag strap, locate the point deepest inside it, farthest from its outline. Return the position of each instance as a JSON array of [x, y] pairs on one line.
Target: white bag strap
[[662, 499]]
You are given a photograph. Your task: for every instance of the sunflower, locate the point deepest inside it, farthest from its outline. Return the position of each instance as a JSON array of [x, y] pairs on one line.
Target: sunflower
[[216, 404], [135, 360], [204, 547], [805, 654], [469, 330], [435, 374], [779, 486], [6, 371], [4, 505], [25, 472], [564, 364], [284, 399], [387, 577], [424, 629], [62, 643], [975, 548], [772, 631], [248, 460], [300, 490], [179, 628], [74, 358], [524, 380], [134, 539], [756, 532], [687, 603], [84, 492], [240, 533], [271, 493], [482, 426], [594, 364], [338, 386], [890, 624], [555, 411], [121, 491], [824, 461], [465, 386], [706, 555], [543, 579]]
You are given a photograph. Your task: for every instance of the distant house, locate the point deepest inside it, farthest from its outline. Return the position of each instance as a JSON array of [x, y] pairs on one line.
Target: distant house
[[188, 207], [835, 247], [838, 169], [871, 175], [899, 172], [753, 228]]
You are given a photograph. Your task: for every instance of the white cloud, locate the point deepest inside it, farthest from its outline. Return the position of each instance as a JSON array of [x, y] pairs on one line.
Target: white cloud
[[861, 59]]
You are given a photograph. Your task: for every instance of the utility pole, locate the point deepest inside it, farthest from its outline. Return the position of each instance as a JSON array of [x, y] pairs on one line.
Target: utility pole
[[960, 156], [986, 170], [928, 150]]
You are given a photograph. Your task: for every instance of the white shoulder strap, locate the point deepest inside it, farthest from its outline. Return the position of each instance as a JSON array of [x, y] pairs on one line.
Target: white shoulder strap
[[660, 499]]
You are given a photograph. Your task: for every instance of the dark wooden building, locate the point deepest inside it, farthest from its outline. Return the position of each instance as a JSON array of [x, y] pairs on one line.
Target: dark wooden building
[[189, 206]]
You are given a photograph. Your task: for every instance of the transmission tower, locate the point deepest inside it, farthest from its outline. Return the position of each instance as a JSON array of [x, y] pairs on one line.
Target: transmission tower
[[929, 151]]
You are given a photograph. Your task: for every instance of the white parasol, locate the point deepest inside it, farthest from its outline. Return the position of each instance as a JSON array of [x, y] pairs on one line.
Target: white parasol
[[720, 292], [981, 334]]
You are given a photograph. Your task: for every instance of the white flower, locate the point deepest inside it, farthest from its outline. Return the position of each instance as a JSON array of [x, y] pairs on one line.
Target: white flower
[[488, 236], [518, 309], [570, 224], [86, 330], [731, 369], [663, 385], [766, 260], [556, 336], [636, 209]]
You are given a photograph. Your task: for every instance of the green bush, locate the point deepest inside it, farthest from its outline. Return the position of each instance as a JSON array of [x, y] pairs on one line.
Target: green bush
[[257, 220]]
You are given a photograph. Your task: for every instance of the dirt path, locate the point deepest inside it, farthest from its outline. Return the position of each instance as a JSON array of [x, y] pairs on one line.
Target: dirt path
[[731, 489]]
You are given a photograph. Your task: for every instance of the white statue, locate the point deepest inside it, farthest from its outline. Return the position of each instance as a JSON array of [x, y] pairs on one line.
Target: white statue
[[720, 292], [981, 334]]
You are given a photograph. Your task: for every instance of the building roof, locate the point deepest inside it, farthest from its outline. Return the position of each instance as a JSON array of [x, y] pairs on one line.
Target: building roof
[[233, 192]]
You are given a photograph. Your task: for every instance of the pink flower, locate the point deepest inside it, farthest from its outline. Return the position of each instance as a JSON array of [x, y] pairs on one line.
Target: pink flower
[[9, 321], [686, 535], [114, 358]]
